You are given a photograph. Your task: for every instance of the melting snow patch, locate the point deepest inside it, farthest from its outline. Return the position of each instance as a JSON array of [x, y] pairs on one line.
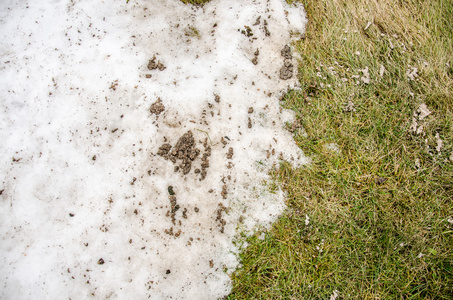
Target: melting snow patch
[[333, 147], [381, 71], [412, 73], [366, 75], [440, 143], [421, 113], [135, 143], [334, 295], [349, 107]]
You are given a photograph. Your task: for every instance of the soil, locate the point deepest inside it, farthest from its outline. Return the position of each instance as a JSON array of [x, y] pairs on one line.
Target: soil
[[223, 141], [163, 150], [152, 64], [219, 217], [174, 207], [255, 59], [286, 52], [157, 107], [230, 153], [224, 191], [184, 151], [205, 160], [247, 32], [294, 126], [184, 154], [286, 72], [266, 31]]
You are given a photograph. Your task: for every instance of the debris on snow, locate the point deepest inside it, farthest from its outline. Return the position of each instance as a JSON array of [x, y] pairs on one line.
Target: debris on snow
[[286, 72], [157, 107]]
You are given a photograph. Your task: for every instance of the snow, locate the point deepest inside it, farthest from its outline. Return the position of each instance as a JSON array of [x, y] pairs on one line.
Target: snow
[[85, 199]]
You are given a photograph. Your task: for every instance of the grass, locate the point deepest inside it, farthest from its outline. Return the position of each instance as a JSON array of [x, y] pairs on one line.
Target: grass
[[375, 220], [380, 211]]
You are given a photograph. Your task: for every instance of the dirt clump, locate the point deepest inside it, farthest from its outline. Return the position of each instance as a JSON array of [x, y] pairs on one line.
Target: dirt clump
[[219, 217], [247, 31], [255, 59], [153, 65], [157, 107], [164, 149], [293, 126], [224, 191], [174, 207], [258, 21], [184, 151], [205, 160], [266, 31], [223, 141], [286, 52], [286, 72], [230, 153]]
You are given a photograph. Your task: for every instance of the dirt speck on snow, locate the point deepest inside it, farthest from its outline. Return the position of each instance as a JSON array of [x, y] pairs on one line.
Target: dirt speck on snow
[[230, 153], [157, 107], [152, 64]]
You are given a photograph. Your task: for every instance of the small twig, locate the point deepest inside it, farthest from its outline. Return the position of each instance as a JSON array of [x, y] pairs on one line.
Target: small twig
[[206, 134]]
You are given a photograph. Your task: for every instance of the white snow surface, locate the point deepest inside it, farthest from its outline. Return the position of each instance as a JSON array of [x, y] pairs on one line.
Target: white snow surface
[[81, 180]]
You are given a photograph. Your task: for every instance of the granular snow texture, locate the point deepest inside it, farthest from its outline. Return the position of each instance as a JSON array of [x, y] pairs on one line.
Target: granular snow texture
[[136, 140]]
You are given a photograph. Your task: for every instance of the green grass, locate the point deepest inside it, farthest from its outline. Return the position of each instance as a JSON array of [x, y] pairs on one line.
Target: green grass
[[380, 211]]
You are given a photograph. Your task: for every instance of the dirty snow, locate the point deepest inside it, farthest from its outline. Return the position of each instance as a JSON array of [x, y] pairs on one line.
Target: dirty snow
[[94, 97]]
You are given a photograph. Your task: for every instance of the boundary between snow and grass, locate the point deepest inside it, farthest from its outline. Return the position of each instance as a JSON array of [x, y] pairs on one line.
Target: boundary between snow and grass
[[372, 216]]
